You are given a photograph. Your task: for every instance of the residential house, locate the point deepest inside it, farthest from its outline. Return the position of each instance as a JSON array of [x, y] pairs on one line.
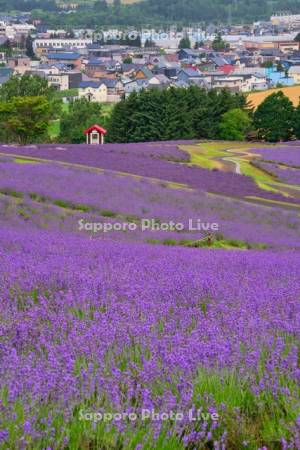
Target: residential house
[[294, 72], [103, 91], [58, 75], [269, 55], [131, 86], [65, 80], [130, 70], [254, 82], [19, 63], [96, 68], [278, 78], [71, 59], [189, 76], [187, 54], [159, 80], [143, 74], [232, 83]]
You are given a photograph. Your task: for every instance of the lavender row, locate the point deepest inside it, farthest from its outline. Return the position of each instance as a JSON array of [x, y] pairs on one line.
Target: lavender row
[[123, 198], [167, 150], [229, 184], [284, 174], [289, 155]]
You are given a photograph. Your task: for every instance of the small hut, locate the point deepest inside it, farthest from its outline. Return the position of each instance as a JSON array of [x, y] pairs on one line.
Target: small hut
[[95, 135]]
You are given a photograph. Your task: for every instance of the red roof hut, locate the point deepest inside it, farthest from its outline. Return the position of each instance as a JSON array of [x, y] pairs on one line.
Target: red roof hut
[[95, 135]]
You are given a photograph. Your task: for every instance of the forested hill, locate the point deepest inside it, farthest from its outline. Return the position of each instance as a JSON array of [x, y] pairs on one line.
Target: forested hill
[[221, 10], [91, 13]]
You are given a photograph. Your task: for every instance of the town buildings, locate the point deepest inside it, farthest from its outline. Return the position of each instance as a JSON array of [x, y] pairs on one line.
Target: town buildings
[[258, 57]]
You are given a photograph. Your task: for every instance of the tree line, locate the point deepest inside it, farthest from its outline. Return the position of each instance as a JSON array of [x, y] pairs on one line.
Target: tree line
[[157, 12], [28, 107], [156, 115], [195, 113], [27, 5]]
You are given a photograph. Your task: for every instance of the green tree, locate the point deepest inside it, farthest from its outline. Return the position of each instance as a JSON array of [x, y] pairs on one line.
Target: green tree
[[149, 43], [29, 48], [25, 119], [235, 124], [198, 44], [117, 7], [280, 67], [267, 64], [219, 45], [297, 38], [274, 118], [81, 115], [100, 5], [178, 124], [185, 42], [127, 60], [6, 48], [30, 86], [26, 86], [209, 109], [297, 122]]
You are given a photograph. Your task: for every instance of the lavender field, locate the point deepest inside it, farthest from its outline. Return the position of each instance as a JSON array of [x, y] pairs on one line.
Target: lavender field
[[283, 173], [145, 339], [288, 155], [153, 161]]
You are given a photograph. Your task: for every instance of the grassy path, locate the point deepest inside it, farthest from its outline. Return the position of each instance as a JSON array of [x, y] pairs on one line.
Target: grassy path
[[235, 157]]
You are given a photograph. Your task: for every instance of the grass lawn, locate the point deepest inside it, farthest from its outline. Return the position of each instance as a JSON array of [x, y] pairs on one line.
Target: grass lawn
[[67, 93], [54, 128], [107, 108]]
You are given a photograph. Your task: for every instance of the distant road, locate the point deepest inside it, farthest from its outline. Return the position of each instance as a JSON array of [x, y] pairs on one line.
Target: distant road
[[293, 92]]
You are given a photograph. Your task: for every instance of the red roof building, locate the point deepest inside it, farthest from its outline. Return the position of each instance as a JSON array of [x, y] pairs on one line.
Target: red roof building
[[95, 135], [227, 69]]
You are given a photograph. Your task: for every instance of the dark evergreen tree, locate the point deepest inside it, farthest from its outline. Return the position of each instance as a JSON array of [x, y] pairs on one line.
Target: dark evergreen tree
[[100, 5], [120, 128], [297, 122], [29, 48], [178, 115], [149, 43], [274, 118], [219, 45], [297, 38], [185, 42]]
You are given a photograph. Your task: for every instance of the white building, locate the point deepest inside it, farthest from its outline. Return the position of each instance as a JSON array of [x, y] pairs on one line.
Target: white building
[[14, 30], [103, 91], [41, 44]]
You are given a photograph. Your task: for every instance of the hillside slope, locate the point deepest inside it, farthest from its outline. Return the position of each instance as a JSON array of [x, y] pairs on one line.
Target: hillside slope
[[293, 92]]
